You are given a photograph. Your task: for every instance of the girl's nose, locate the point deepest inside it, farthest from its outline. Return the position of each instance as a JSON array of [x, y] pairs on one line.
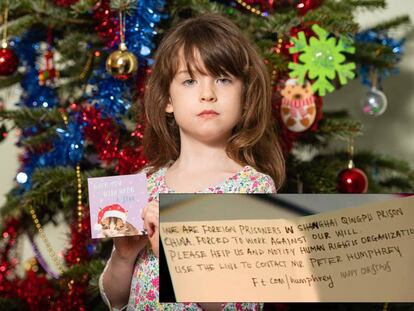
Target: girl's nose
[[207, 93], [208, 98]]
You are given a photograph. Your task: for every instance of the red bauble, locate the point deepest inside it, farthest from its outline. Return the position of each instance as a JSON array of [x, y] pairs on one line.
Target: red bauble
[[8, 62], [352, 180]]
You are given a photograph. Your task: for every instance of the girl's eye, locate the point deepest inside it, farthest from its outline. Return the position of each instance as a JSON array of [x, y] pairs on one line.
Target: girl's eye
[[224, 81], [189, 82]]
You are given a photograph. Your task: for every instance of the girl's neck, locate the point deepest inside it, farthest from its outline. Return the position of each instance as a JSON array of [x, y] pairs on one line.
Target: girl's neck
[[197, 156], [199, 166]]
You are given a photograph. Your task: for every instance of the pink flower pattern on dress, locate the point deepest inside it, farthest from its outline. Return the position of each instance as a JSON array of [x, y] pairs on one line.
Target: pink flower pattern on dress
[[155, 282], [150, 295], [145, 281]]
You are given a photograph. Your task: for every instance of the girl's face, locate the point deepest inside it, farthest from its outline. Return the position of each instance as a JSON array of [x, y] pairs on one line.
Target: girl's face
[[205, 108]]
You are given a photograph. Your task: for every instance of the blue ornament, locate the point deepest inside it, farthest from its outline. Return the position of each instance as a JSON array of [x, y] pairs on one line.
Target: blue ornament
[[92, 248], [111, 96], [69, 146], [397, 47], [67, 149]]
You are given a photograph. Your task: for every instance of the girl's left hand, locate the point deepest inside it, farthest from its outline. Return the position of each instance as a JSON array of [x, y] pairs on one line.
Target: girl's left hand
[[150, 216]]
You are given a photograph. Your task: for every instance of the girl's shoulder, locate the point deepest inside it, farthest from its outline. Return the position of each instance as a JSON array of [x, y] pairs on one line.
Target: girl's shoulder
[[249, 180], [155, 184], [152, 173]]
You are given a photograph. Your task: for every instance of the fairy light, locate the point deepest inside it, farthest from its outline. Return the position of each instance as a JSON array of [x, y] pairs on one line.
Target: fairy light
[[79, 190], [39, 227], [42, 235], [278, 47], [252, 9], [273, 78]]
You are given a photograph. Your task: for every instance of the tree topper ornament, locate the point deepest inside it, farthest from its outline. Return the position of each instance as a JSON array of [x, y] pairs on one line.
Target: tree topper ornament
[[321, 59]]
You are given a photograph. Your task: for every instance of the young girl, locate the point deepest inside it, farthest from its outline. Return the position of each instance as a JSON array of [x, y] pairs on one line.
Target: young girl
[[209, 131]]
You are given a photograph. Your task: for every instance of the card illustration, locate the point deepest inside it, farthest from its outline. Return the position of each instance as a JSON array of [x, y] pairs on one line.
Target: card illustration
[[115, 203]]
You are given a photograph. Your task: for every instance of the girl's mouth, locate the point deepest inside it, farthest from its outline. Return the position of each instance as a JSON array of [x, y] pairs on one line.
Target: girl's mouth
[[208, 113]]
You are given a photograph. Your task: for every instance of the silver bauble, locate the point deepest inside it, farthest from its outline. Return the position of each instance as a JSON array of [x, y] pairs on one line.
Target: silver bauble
[[374, 103]]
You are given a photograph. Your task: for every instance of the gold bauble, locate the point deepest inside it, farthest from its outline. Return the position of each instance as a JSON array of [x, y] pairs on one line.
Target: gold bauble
[[121, 64]]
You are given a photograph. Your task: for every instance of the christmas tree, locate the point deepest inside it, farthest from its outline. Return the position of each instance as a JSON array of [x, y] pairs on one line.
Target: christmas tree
[[80, 115]]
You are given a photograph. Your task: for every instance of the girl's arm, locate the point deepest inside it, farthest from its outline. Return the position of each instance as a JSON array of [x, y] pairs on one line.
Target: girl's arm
[[150, 216], [115, 281]]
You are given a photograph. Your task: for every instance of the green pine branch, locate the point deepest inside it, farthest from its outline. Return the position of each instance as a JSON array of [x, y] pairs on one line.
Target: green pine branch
[[385, 174], [33, 142], [400, 183], [27, 13], [339, 128], [18, 25], [12, 304], [392, 23], [385, 162], [281, 23], [6, 82], [334, 126], [335, 17], [52, 190], [26, 117], [375, 55], [123, 5], [47, 194], [77, 45], [77, 272], [368, 4], [82, 7]]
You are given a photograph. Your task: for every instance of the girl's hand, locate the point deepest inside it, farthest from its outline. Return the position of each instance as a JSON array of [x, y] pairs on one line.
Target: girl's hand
[[150, 215], [128, 247]]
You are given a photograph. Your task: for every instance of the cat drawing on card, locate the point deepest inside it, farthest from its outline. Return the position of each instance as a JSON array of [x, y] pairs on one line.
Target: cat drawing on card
[[114, 226], [112, 222]]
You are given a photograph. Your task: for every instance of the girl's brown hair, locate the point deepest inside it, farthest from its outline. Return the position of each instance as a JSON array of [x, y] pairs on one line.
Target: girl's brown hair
[[224, 50]]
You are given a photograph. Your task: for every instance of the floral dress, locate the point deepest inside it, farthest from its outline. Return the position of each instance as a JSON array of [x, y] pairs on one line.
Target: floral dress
[[144, 295]]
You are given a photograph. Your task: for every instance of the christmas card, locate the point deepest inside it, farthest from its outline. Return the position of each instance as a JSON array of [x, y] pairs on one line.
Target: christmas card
[[115, 204]]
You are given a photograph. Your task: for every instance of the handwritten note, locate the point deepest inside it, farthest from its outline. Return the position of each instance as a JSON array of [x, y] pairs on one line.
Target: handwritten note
[[354, 254]]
